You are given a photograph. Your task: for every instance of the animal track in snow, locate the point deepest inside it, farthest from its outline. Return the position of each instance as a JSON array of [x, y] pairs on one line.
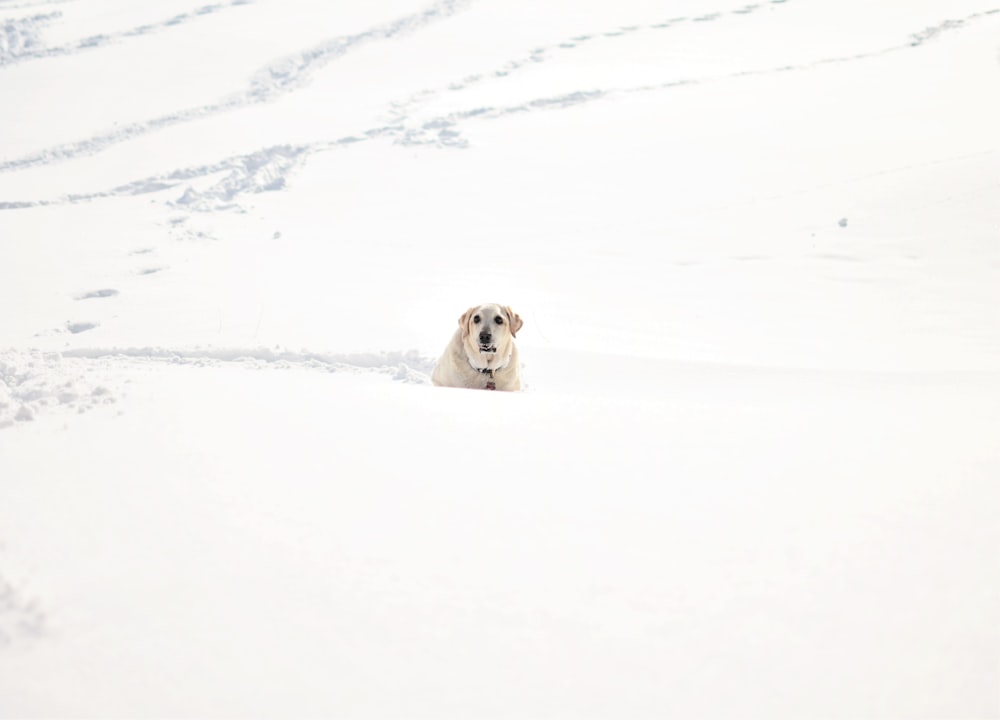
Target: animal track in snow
[[270, 82], [94, 294], [452, 136], [23, 36], [449, 131], [269, 168], [35, 4], [401, 111], [931, 33], [79, 327], [262, 171]]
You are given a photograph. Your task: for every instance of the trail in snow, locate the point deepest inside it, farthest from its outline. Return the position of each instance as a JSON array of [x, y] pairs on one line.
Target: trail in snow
[[270, 168], [408, 365], [443, 131], [275, 79], [36, 383], [21, 38]]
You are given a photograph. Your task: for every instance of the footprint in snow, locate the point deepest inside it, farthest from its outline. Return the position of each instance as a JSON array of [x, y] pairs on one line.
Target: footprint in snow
[[79, 327], [671, 22], [94, 294]]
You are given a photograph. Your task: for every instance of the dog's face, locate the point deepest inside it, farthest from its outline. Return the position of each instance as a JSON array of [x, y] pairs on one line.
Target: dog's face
[[489, 329]]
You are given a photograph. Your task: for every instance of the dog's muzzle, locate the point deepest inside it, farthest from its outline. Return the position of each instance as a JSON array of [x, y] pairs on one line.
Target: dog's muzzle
[[486, 343]]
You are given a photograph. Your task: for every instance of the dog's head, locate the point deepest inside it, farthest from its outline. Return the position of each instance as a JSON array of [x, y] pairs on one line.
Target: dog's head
[[489, 329]]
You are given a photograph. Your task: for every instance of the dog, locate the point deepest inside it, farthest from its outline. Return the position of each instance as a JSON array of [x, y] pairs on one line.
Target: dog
[[482, 353]]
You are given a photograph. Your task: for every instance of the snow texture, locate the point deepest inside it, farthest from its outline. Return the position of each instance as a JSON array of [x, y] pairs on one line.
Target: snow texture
[[754, 469]]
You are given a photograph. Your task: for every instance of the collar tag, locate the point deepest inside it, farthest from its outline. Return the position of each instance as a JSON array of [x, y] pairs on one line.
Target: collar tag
[[491, 383]]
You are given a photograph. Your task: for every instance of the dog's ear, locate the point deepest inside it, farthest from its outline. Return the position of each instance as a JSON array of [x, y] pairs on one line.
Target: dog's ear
[[463, 322], [514, 319]]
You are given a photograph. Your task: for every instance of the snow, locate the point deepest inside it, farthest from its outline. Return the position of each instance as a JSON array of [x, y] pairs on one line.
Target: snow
[[754, 469]]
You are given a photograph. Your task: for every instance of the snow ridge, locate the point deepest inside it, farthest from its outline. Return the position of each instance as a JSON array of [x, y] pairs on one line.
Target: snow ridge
[[34, 382], [406, 365]]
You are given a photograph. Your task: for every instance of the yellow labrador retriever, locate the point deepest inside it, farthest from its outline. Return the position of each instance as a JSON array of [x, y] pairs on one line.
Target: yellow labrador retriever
[[482, 353]]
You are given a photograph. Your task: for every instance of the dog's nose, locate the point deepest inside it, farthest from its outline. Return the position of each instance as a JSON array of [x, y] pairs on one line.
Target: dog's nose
[[485, 337]]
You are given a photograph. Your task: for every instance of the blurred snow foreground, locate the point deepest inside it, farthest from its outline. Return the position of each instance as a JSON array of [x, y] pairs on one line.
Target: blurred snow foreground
[[754, 471]]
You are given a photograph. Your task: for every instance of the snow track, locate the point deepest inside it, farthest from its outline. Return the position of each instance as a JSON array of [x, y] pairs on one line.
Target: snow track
[[408, 365], [412, 122], [24, 36], [277, 78], [21, 37], [33, 384]]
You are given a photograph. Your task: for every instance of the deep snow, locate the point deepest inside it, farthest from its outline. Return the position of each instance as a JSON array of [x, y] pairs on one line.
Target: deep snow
[[754, 471]]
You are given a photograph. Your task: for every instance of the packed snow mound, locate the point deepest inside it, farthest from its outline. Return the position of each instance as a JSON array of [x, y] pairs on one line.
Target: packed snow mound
[[32, 383]]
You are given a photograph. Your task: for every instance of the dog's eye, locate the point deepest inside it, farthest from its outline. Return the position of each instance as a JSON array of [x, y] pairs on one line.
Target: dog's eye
[[476, 319], [498, 320]]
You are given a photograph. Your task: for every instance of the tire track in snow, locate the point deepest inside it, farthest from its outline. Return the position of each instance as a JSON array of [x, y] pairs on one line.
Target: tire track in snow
[[273, 80]]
